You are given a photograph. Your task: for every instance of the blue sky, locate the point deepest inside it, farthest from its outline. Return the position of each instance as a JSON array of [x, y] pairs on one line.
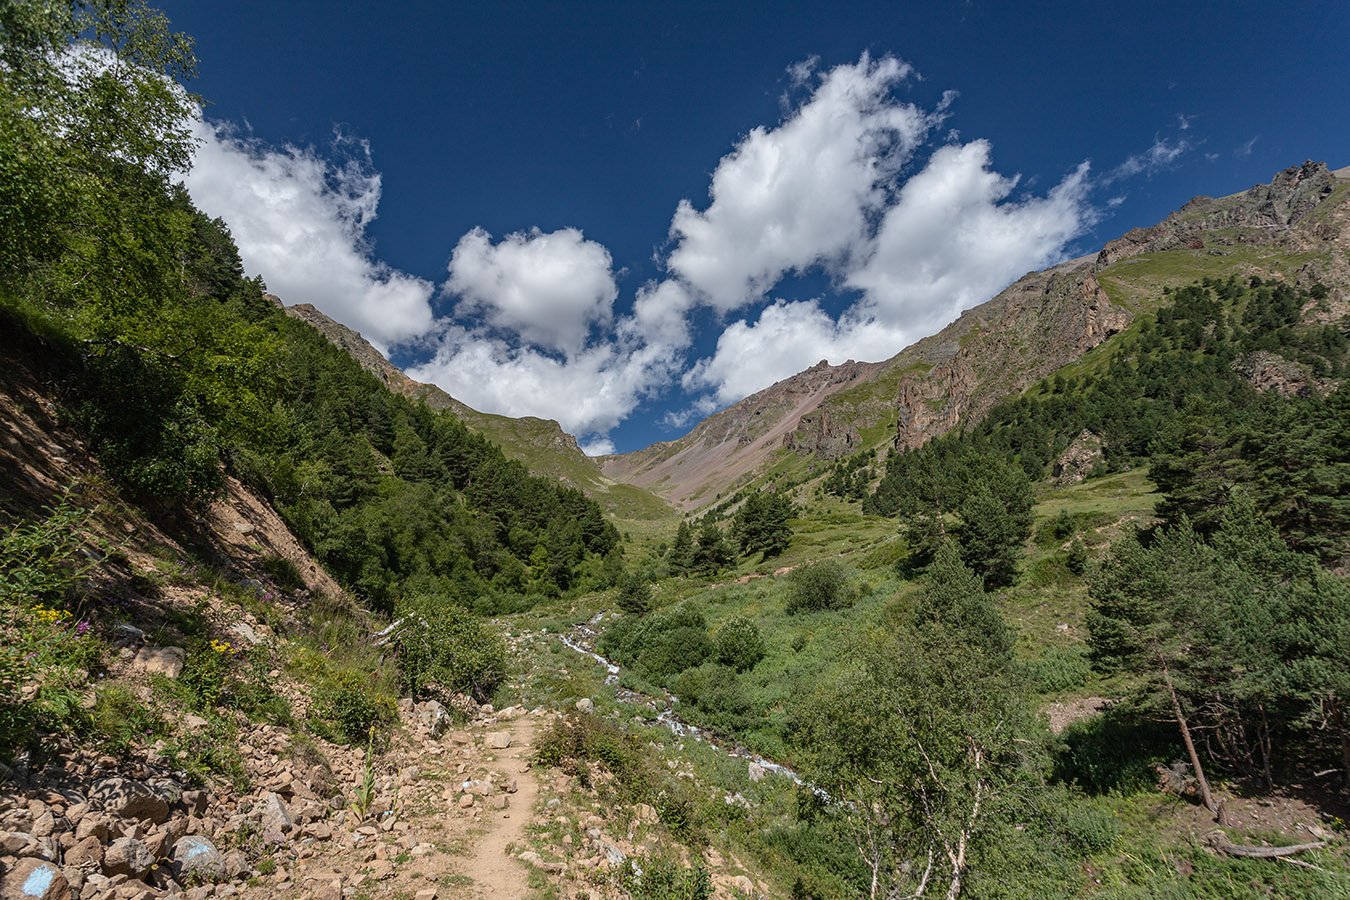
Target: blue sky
[[624, 216]]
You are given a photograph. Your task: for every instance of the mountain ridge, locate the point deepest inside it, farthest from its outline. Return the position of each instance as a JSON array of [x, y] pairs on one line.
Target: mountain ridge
[[1041, 322]]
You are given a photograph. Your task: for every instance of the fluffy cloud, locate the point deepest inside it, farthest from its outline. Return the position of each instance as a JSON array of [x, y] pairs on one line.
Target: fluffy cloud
[[787, 338], [953, 239], [534, 329], [547, 288], [589, 393], [300, 221], [799, 194]]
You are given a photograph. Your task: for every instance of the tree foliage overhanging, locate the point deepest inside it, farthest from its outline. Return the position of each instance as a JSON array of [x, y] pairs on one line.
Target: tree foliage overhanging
[[179, 369]]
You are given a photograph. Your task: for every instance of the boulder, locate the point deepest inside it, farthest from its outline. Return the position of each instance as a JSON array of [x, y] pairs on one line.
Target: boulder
[[127, 856], [273, 813], [34, 879], [586, 705], [87, 854], [129, 799], [166, 661], [497, 740], [195, 858]]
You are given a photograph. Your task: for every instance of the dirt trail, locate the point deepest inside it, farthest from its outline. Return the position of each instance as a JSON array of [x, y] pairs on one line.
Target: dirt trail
[[491, 863]]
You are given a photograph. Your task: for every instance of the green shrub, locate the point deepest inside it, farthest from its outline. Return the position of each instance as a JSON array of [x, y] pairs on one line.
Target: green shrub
[[820, 586], [444, 645], [1114, 752], [1086, 828], [571, 744], [715, 692], [656, 879], [739, 644], [1076, 560], [40, 559], [347, 710], [659, 645]]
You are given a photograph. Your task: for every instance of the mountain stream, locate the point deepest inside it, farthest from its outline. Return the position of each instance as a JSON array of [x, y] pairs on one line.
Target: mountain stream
[[582, 639]]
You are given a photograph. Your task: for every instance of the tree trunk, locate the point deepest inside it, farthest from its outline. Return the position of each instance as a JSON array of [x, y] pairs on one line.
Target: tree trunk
[[1200, 778]]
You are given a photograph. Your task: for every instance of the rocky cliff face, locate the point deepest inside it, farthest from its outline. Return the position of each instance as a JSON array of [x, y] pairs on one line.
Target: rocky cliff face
[[1042, 322]]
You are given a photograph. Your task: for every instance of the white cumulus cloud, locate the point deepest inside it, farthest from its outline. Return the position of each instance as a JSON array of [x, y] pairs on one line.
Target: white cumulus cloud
[[953, 239], [549, 289], [300, 222], [798, 195]]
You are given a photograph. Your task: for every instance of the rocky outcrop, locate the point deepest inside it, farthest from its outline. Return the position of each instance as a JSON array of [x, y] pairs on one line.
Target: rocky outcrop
[[821, 434], [1267, 371], [1078, 459], [1040, 323], [933, 403], [1289, 198]]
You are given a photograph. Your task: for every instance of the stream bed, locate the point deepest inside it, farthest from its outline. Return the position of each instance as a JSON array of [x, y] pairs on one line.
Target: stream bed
[[582, 639]]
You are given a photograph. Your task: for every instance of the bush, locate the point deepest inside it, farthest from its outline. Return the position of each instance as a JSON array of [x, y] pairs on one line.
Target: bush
[[716, 694], [738, 644], [664, 880], [1114, 752], [823, 585], [444, 645], [660, 645], [572, 744], [673, 651], [346, 710]]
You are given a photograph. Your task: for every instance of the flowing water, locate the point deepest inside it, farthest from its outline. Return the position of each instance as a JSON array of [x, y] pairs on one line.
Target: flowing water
[[582, 639]]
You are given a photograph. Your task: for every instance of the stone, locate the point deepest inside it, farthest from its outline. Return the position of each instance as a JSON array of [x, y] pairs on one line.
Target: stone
[[613, 854], [35, 879], [586, 705], [273, 813], [86, 854], [466, 801], [245, 634], [500, 802], [236, 864], [194, 802], [92, 826], [497, 740], [461, 737], [166, 661], [129, 799], [645, 812], [195, 858], [16, 843], [530, 857], [757, 772], [127, 856], [244, 528], [427, 894], [157, 844]]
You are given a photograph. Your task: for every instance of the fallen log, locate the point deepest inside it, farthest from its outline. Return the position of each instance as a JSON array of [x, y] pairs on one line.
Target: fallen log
[[1219, 841]]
